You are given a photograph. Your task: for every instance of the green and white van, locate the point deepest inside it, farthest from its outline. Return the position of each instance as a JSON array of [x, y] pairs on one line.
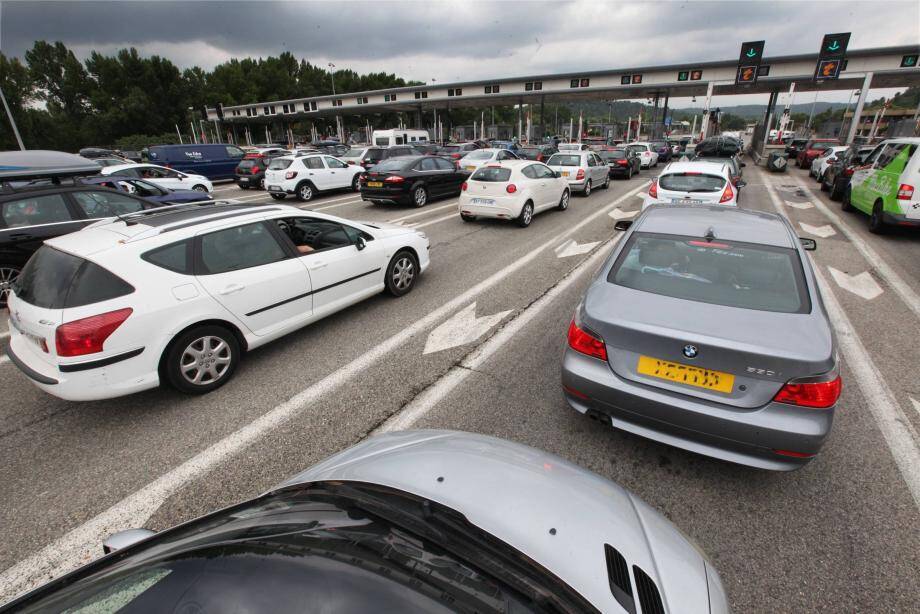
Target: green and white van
[[887, 185]]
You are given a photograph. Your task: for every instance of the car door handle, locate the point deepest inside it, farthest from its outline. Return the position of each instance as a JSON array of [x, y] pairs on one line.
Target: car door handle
[[313, 266], [231, 289]]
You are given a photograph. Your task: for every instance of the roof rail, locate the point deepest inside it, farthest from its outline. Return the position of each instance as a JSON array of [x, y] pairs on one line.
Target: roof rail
[[138, 216]]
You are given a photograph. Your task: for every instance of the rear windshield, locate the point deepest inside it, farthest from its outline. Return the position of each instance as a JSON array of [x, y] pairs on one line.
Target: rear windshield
[[691, 182], [637, 148], [52, 279], [732, 274], [450, 149], [479, 155], [392, 165], [616, 154], [530, 153], [245, 163], [820, 146], [353, 153], [279, 164], [563, 160], [489, 173]]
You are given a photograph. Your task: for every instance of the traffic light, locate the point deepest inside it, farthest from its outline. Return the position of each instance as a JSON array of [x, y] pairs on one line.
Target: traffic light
[[834, 45], [751, 53], [909, 61], [827, 69], [746, 74]]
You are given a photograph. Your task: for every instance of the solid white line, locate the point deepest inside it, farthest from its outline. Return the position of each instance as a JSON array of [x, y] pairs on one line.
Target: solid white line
[[875, 260], [437, 220], [421, 213], [896, 429], [434, 394], [357, 201], [82, 544]]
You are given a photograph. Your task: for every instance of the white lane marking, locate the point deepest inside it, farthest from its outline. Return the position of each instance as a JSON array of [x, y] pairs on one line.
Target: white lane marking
[[82, 544], [461, 328], [4, 358], [357, 201], [875, 260], [863, 285], [819, 231], [574, 248], [805, 205], [434, 394], [436, 220], [915, 403], [421, 213], [618, 214], [641, 195], [4, 334], [897, 431]]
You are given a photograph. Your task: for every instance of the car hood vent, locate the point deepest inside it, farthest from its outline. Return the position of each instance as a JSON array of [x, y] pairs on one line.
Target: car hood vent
[[618, 575], [649, 597]]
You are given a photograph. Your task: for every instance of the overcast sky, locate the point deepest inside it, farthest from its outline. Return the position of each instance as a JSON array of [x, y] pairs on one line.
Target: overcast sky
[[461, 40]]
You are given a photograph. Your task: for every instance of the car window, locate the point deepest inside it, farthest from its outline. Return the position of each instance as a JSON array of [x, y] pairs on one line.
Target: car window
[[480, 155], [529, 171], [742, 275], [544, 172], [106, 204], [691, 182], [314, 162], [53, 279], [428, 164], [313, 235], [890, 152], [492, 174], [443, 165], [591, 161], [564, 160], [333, 163], [374, 155], [47, 209], [279, 164], [240, 247], [142, 188], [174, 257], [235, 152], [149, 172]]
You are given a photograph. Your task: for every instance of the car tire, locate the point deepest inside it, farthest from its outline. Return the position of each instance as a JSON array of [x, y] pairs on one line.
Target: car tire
[[8, 274], [823, 180], [564, 201], [876, 219], [402, 273], [606, 185], [278, 196], [200, 188], [262, 183], [305, 192], [467, 218], [629, 173], [356, 183], [208, 353], [587, 191], [836, 193], [526, 216], [419, 196], [244, 187], [845, 203]]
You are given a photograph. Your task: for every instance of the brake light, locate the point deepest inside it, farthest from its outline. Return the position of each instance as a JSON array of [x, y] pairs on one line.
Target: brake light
[[539, 157], [905, 191], [653, 189], [290, 174], [394, 179], [728, 194], [455, 156], [586, 343], [87, 335], [511, 188], [463, 187], [580, 175], [848, 171], [818, 395], [254, 170], [622, 162]]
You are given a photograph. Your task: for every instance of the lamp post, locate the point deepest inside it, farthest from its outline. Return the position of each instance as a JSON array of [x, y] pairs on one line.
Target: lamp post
[[332, 76]]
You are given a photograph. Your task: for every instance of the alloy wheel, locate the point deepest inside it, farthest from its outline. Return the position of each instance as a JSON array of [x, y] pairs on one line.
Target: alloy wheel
[[205, 360], [420, 197], [8, 275], [403, 273]]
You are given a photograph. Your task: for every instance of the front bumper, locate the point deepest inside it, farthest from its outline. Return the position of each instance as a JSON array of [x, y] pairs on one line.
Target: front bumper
[[744, 436]]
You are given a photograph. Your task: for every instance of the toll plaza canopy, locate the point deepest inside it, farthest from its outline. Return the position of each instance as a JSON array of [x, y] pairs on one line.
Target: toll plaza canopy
[[889, 66]]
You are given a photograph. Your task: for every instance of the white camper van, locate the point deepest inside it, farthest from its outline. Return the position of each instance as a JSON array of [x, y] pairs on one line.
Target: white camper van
[[386, 138]]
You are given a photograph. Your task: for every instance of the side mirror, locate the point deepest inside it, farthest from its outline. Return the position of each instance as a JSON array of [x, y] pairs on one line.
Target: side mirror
[[809, 245], [622, 225], [124, 539], [360, 243], [740, 183]]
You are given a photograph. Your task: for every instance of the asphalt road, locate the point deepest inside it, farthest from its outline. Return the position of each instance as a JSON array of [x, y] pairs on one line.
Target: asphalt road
[[839, 535]]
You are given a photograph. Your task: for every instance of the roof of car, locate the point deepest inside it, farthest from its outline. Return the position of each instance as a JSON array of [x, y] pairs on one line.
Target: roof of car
[[695, 166], [39, 163], [726, 223]]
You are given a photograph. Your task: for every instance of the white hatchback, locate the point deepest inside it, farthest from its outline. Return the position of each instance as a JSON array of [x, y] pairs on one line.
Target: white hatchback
[[306, 176], [693, 183], [584, 170], [177, 295], [160, 175], [820, 164], [473, 160], [648, 157], [513, 190]]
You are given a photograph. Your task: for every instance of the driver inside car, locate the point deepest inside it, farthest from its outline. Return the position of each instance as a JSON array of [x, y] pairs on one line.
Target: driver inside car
[[297, 236]]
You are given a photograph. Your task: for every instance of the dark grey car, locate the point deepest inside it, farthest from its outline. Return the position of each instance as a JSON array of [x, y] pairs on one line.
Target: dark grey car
[[705, 330]]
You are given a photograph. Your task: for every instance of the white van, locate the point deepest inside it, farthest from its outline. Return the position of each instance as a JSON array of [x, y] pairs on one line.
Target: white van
[[386, 138]]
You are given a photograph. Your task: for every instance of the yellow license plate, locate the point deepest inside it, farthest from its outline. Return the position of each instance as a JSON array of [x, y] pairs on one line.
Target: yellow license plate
[[470, 168], [565, 173], [685, 374], [375, 184]]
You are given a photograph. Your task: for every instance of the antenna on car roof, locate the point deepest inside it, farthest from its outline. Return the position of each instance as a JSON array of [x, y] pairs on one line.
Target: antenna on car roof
[[710, 234]]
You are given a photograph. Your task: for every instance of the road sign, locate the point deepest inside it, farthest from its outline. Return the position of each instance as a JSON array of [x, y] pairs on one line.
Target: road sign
[[751, 53], [667, 121], [746, 74], [625, 79], [827, 69], [909, 61], [834, 45], [696, 75], [763, 70], [637, 78], [683, 75]]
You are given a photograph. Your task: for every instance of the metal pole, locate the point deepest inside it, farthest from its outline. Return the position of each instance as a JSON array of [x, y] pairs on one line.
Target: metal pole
[[628, 127], [664, 113], [194, 136], [705, 127], [12, 121], [580, 120], [786, 112], [857, 113], [812, 114], [181, 142]]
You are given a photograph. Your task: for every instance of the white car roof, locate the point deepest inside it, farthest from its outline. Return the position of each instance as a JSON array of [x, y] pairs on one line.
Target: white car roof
[[696, 166]]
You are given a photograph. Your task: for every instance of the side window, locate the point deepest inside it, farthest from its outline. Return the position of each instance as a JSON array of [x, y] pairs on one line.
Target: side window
[[443, 164], [354, 233], [128, 172], [333, 163], [312, 235], [502, 155], [373, 155], [235, 152], [890, 152], [399, 140], [591, 161], [544, 172], [106, 204], [530, 171], [174, 257], [870, 159], [313, 162], [149, 172], [240, 247], [428, 164], [37, 210]]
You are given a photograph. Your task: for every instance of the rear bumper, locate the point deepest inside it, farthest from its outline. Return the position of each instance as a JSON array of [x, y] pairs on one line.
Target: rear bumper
[[619, 171], [399, 197], [899, 219], [505, 209], [744, 436]]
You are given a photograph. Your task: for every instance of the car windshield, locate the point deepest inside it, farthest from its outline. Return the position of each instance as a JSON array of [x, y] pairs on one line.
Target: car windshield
[[279, 164], [491, 173], [480, 155], [691, 182], [727, 273], [564, 160]]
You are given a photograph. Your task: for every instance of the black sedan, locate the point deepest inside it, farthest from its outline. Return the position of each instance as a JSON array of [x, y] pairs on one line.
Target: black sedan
[[411, 180], [838, 174], [623, 162], [540, 153]]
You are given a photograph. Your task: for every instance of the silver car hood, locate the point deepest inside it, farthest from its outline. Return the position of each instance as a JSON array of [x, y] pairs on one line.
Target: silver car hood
[[519, 494]]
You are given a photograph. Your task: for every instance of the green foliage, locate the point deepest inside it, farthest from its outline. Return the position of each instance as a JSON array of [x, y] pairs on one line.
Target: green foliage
[[730, 121], [137, 142]]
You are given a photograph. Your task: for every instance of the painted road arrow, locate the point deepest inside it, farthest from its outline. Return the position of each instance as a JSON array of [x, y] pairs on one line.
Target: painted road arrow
[[573, 248], [819, 231], [619, 214], [863, 285], [805, 205], [462, 328], [915, 403]]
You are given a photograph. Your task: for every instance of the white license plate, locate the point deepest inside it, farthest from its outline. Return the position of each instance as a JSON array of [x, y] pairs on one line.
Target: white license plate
[[686, 201], [483, 201], [274, 188]]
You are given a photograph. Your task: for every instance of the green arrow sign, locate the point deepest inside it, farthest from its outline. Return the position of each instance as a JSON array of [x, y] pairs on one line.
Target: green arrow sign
[[834, 46], [751, 53]]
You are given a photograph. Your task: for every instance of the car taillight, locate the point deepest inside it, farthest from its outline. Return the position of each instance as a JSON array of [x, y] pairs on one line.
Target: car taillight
[[511, 188], [463, 187], [580, 175], [539, 157], [394, 179], [582, 341], [905, 191], [86, 336], [622, 162], [455, 156], [653, 189], [818, 395], [831, 160], [848, 171], [254, 170], [727, 194], [290, 174]]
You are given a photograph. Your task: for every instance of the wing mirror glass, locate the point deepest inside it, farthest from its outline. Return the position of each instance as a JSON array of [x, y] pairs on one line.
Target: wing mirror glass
[[808, 244], [360, 243], [622, 225]]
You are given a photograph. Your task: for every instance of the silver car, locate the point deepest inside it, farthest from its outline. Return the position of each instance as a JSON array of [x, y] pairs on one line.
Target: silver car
[[415, 521], [705, 330], [583, 170]]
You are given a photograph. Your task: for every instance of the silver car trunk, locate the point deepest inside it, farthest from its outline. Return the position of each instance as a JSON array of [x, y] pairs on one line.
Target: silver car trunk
[[761, 349]]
